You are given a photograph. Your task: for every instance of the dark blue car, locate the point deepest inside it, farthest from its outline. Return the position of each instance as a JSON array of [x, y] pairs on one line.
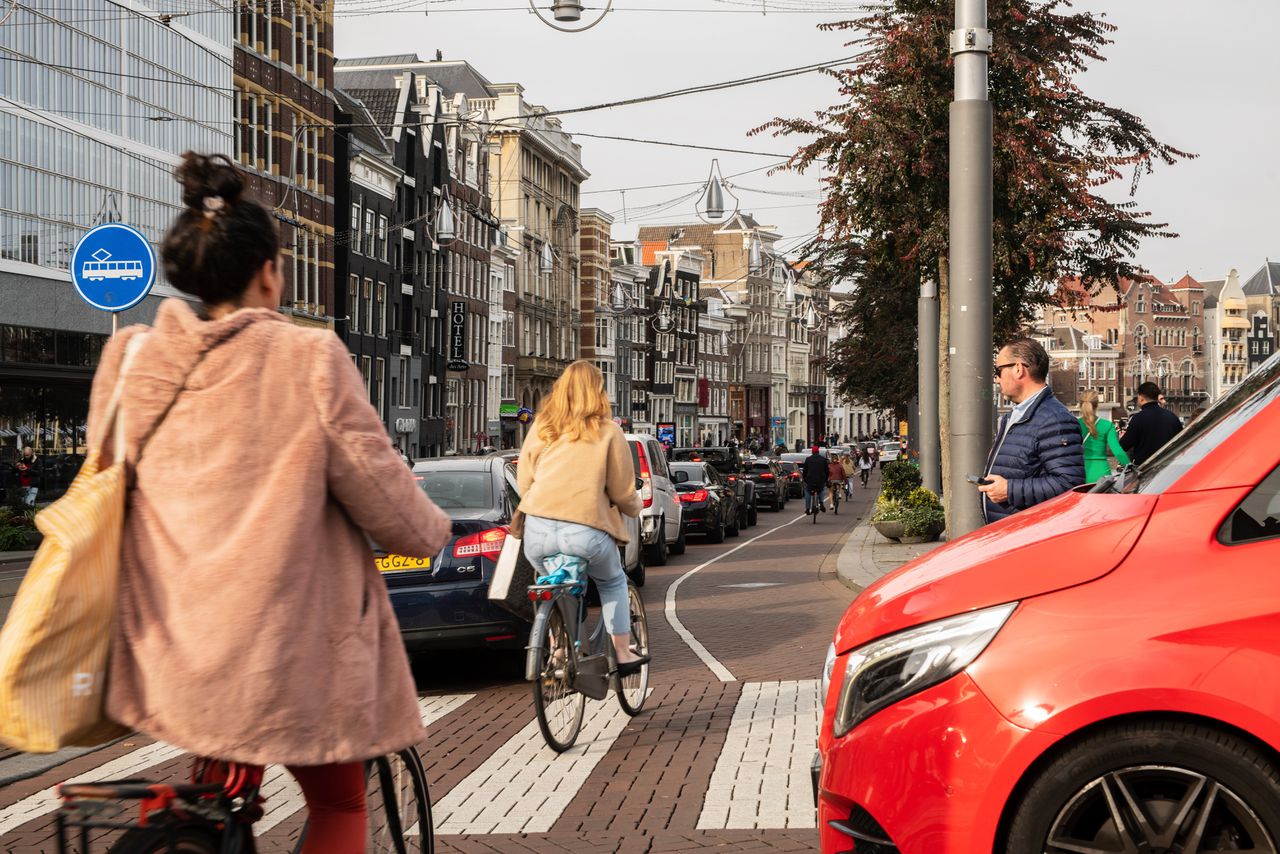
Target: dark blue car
[[442, 603]]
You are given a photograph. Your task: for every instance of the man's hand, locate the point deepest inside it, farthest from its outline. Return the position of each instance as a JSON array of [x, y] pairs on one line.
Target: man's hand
[[997, 490]]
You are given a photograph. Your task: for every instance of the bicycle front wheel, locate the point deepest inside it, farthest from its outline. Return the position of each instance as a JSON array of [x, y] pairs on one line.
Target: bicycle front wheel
[[559, 707], [634, 688], [399, 805]]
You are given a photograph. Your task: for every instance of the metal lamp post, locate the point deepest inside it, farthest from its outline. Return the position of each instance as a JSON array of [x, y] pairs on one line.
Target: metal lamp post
[[970, 257]]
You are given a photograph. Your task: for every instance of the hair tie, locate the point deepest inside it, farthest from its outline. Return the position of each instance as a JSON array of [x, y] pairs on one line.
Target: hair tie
[[212, 205]]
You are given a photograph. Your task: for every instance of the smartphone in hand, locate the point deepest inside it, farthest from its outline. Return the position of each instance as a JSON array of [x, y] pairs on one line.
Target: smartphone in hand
[[981, 481]]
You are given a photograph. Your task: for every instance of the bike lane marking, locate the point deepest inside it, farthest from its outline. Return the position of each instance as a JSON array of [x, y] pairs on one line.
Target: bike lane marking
[[762, 779], [524, 785], [713, 664], [281, 791]]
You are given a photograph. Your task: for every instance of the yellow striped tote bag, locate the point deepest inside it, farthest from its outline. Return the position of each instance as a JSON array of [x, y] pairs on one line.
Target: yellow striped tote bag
[[53, 647]]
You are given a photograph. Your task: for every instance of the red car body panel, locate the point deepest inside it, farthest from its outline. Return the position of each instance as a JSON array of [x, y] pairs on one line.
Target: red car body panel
[[1075, 538], [1129, 605]]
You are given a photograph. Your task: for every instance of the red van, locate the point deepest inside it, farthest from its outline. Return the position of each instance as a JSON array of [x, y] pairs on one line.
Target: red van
[[1098, 673]]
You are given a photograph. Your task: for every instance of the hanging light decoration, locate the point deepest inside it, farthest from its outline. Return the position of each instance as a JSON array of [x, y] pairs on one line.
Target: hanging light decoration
[[446, 230], [711, 207], [811, 318], [754, 257], [619, 297], [663, 321], [546, 261], [789, 292], [567, 12]]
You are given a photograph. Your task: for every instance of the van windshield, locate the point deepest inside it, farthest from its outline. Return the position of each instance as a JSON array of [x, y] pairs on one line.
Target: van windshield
[[1199, 438]]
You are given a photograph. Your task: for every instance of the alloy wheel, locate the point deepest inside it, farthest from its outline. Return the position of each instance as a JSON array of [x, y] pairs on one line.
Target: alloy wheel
[[1156, 809]]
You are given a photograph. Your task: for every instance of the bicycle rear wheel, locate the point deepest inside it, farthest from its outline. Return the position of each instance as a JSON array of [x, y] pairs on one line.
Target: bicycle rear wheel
[[166, 832], [633, 689], [399, 805], [559, 707]]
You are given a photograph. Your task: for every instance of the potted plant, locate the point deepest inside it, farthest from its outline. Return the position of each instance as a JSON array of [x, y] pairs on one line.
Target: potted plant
[[923, 517], [887, 517]]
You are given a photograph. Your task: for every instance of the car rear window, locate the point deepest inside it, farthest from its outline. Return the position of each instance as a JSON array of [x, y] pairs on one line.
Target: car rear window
[[696, 471], [788, 467], [458, 490]]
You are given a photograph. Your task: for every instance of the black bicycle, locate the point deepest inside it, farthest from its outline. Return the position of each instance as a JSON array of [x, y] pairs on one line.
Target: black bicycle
[[215, 812], [570, 656]]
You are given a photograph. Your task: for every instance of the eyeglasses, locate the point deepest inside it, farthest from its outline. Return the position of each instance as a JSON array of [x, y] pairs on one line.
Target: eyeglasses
[[999, 369]]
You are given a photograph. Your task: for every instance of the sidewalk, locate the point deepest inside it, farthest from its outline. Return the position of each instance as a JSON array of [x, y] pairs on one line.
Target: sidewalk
[[867, 557]]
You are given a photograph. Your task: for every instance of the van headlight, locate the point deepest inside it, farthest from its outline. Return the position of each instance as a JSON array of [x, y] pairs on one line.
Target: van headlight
[[893, 668]]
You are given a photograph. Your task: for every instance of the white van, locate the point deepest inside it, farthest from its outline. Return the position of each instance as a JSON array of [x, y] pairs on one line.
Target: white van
[[662, 519]]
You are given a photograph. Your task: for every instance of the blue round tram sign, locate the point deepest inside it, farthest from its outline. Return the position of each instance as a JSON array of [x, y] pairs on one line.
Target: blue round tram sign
[[113, 267]]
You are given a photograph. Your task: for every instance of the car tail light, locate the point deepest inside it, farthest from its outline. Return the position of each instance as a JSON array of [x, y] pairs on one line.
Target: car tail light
[[695, 496], [486, 544], [766, 475], [646, 491]]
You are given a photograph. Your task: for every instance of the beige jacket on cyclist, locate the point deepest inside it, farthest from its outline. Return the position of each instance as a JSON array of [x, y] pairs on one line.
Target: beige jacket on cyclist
[[590, 481], [253, 625]]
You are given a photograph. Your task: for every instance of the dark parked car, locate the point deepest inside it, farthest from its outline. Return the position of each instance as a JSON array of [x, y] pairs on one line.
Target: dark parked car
[[771, 486], [442, 602], [709, 501], [729, 463], [791, 474]]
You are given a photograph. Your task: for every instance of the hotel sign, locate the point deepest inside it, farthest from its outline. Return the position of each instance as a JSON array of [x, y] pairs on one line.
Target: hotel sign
[[458, 336]]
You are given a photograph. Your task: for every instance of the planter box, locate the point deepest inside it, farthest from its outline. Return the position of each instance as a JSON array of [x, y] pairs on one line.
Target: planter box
[[891, 530]]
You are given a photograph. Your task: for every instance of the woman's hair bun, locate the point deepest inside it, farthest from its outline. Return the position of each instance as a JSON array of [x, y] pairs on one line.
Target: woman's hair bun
[[207, 176]]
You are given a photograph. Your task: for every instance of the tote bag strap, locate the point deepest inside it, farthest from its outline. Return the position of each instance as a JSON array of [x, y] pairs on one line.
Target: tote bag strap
[[113, 416]]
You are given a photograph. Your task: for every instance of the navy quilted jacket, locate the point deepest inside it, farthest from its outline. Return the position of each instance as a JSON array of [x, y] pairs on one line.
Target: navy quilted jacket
[[1041, 456]]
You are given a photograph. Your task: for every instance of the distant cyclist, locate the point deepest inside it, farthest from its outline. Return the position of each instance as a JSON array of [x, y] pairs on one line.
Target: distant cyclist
[[865, 464], [846, 463], [814, 471], [576, 478]]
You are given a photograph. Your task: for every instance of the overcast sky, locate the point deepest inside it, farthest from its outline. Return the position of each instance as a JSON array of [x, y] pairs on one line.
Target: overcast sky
[[1204, 76]]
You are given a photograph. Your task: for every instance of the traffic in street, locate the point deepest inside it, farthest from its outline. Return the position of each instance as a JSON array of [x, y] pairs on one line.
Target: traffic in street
[[719, 757]]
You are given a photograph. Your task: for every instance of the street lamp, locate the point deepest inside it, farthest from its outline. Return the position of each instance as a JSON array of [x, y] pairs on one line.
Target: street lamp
[[568, 12], [712, 209], [446, 230]]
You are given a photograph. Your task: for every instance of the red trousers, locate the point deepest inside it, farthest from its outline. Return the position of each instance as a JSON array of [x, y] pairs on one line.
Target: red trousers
[[336, 808]]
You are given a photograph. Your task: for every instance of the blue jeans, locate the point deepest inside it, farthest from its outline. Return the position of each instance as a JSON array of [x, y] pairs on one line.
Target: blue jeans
[[809, 493], [546, 537]]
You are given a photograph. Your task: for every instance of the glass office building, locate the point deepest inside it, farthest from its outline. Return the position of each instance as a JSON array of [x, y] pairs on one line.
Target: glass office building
[[97, 102]]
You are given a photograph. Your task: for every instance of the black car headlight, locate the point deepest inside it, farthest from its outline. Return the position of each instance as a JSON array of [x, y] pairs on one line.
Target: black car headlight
[[893, 668]]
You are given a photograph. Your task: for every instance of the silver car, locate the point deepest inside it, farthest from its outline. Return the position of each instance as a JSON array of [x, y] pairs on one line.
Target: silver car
[[662, 519]]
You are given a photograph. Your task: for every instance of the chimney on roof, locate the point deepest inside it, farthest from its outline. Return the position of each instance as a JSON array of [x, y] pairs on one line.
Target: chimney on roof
[[439, 55]]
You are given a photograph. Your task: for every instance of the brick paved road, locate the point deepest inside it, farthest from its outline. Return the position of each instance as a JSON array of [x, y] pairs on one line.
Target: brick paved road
[[709, 765]]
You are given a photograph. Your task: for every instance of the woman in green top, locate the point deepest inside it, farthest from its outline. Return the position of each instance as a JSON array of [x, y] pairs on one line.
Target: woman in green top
[[1099, 436]]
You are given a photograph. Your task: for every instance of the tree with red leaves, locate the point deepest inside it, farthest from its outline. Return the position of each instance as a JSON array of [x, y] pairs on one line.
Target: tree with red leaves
[[884, 150]]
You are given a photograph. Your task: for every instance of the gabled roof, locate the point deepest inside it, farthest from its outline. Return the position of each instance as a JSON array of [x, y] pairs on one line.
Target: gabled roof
[[1265, 282], [1187, 283], [391, 59], [459, 77], [1071, 338], [361, 120], [382, 105], [379, 79]]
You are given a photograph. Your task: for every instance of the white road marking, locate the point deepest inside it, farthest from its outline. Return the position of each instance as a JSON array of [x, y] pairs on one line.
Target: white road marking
[[122, 767], [761, 779], [754, 584], [722, 673], [524, 786], [284, 797]]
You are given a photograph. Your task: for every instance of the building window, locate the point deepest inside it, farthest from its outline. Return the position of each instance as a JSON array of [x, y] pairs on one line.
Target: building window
[[380, 308], [354, 238], [508, 382], [382, 238], [353, 304], [368, 232], [402, 369], [366, 373], [380, 370], [367, 308]]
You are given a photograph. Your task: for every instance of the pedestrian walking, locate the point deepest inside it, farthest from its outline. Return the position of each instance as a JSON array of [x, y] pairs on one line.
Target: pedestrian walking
[[814, 472], [1038, 452], [865, 465], [27, 470], [252, 624], [1099, 437], [1150, 427], [576, 481]]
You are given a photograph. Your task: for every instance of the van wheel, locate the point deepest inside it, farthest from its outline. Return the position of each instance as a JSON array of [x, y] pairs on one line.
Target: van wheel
[[1159, 786], [658, 551], [677, 548]]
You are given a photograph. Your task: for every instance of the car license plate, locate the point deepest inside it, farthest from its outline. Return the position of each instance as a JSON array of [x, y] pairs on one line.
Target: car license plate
[[399, 563]]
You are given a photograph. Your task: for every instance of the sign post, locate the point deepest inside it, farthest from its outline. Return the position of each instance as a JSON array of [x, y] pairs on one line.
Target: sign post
[[113, 268]]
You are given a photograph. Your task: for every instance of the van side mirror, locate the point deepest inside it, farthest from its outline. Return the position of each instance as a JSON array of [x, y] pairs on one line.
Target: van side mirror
[[680, 477]]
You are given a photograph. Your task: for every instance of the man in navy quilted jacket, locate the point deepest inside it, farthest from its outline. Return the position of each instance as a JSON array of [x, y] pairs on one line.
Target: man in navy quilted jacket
[[1038, 451]]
